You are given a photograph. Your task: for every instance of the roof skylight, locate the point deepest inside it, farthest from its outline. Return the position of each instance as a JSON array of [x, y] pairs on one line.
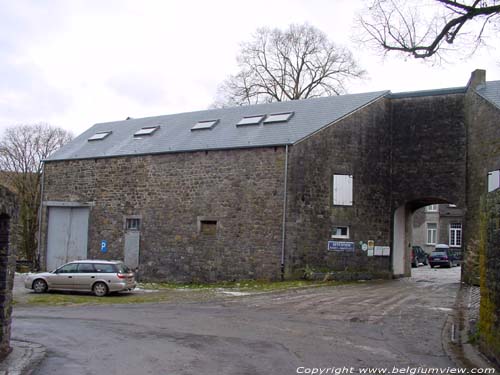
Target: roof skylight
[[278, 117], [99, 136], [148, 130], [251, 120], [208, 124]]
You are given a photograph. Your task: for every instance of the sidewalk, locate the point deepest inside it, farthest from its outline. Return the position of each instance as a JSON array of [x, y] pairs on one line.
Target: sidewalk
[[23, 359]]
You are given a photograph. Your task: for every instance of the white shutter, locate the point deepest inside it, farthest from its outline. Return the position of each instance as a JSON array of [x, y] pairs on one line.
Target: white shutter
[[493, 180], [342, 190]]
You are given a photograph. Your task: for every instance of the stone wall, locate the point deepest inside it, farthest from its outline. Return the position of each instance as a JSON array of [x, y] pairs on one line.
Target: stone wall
[[489, 322], [7, 267], [242, 190], [358, 145], [428, 150], [482, 264]]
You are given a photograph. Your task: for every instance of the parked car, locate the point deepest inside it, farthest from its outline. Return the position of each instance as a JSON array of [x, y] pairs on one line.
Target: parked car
[[443, 256], [418, 255], [98, 276]]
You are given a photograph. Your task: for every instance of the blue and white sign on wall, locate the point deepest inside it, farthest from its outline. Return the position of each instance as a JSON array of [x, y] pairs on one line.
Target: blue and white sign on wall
[[104, 246], [340, 246]]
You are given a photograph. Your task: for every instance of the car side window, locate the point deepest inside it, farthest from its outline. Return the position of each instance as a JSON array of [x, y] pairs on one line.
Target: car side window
[[86, 268], [68, 268], [105, 268]]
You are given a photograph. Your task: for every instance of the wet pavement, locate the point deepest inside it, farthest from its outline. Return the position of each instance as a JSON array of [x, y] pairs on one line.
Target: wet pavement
[[366, 324]]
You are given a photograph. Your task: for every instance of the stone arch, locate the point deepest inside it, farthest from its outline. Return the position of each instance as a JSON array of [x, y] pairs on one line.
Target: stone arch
[[402, 232]]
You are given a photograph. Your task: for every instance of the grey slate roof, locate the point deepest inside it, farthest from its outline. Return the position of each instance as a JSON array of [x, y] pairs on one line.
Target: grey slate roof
[[422, 93], [175, 133], [490, 91]]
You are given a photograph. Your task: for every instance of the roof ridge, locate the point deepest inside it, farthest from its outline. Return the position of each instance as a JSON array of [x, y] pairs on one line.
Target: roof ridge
[[285, 102]]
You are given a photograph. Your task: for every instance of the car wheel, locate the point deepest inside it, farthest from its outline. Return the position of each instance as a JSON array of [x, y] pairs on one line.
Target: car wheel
[[39, 286], [432, 266], [100, 289]]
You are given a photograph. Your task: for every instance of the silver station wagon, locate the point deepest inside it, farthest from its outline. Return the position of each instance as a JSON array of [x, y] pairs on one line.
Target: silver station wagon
[[98, 276]]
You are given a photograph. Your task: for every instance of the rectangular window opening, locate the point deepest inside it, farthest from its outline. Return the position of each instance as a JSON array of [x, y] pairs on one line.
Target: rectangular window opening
[[208, 227], [456, 234], [342, 190], [208, 124], [250, 120], [99, 136], [431, 208], [132, 224], [278, 117], [148, 130], [431, 233], [340, 232]]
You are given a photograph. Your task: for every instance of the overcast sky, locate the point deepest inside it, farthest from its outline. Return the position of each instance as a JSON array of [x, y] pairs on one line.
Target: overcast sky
[[76, 63]]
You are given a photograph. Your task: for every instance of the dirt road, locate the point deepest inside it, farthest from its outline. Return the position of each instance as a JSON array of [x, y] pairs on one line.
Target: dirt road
[[372, 324]]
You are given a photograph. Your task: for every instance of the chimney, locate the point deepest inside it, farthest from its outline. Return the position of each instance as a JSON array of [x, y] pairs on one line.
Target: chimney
[[477, 77]]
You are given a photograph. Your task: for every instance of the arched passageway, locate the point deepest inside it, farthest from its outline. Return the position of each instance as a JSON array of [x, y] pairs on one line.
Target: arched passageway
[[403, 237]]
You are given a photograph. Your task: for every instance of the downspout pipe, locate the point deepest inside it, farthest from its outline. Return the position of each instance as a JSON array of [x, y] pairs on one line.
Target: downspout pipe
[[40, 209], [283, 231]]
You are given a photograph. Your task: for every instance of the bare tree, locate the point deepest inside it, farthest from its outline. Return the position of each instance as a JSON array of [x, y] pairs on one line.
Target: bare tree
[[298, 63], [424, 28], [22, 150]]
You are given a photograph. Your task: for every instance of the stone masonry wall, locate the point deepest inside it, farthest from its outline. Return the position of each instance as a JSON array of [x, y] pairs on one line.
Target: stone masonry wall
[[428, 150], [240, 189], [489, 314], [358, 145], [481, 219], [7, 268]]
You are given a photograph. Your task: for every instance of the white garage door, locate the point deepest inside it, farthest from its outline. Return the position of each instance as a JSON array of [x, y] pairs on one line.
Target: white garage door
[[67, 235]]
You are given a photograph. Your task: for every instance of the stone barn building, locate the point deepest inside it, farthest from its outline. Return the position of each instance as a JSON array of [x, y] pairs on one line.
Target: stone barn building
[[275, 190], [8, 215], [260, 192]]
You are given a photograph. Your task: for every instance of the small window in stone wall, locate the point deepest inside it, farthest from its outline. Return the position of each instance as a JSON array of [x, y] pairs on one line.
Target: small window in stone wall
[[208, 227], [340, 232], [133, 224]]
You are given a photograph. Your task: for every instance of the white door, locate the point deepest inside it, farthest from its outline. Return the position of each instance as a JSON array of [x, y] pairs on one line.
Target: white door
[[67, 235]]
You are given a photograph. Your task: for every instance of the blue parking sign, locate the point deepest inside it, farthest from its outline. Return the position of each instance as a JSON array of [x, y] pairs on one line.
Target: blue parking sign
[[104, 246]]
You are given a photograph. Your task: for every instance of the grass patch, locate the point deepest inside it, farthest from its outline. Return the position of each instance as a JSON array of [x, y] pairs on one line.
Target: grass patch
[[63, 299], [244, 285], [168, 292]]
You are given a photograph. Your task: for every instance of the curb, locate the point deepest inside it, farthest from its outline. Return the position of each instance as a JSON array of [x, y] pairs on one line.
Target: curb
[[455, 335], [23, 359]]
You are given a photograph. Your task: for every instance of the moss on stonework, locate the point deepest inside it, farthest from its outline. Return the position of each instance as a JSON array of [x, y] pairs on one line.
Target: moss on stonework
[[489, 324]]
